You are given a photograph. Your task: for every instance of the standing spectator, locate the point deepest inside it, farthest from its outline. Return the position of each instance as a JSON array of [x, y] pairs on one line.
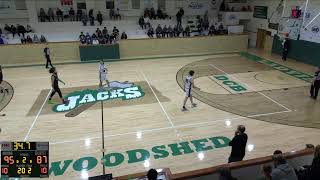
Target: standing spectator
[[50, 14], [164, 31], [282, 170], [117, 14], [105, 31], [152, 13], [43, 39], [225, 174], [13, 30], [179, 15], [112, 13], [206, 21], [146, 20], [266, 172], [59, 14], [82, 38], [84, 19], [91, 17], [35, 39], [99, 18], [159, 13], [170, 31], [21, 30], [285, 46], [158, 31], [186, 31], [46, 51], [124, 35], [238, 144], [212, 30], [42, 15], [150, 32], [141, 22], [72, 14], [315, 166], [315, 86], [79, 15], [88, 38]]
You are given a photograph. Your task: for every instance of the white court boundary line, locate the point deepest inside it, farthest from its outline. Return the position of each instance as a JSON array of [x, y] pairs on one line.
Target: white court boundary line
[[166, 128], [252, 88], [164, 111], [36, 118]]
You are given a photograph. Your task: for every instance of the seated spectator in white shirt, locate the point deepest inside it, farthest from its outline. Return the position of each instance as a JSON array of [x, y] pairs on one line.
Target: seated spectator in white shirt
[[146, 20], [36, 39]]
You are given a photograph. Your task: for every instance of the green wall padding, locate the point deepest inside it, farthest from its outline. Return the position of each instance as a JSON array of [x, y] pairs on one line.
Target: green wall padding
[[303, 51], [97, 52]]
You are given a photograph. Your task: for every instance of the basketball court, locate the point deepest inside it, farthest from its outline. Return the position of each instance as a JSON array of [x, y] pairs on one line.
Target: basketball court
[[143, 123]]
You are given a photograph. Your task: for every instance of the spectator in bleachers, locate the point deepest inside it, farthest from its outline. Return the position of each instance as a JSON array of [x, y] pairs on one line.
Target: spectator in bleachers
[[180, 30], [175, 31], [115, 33], [212, 30], [164, 31], [21, 30], [205, 21], [29, 29], [152, 174], [50, 15], [88, 38], [315, 166], [141, 22], [29, 39], [266, 172], [117, 14], [112, 14], [146, 20], [7, 28], [23, 40], [179, 16], [186, 31], [282, 170], [59, 14], [95, 39], [150, 32], [124, 35], [98, 31], [158, 31], [238, 144], [1, 40], [152, 13], [84, 19], [276, 152], [13, 30], [221, 29], [170, 31], [146, 12], [43, 39], [36, 39], [225, 174], [79, 15], [42, 15], [99, 18], [0, 31], [101, 40], [82, 38], [105, 31], [72, 14], [94, 36], [91, 17]]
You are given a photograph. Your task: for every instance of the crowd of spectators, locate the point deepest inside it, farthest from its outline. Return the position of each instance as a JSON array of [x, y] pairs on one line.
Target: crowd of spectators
[[102, 36], [18, 29], [79, 15], [152, 14], [34, 39], [21, 32], [225, 7]]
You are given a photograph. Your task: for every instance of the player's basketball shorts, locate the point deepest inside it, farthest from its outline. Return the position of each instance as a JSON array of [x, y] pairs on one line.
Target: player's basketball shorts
[[188, 92], [103, 77]]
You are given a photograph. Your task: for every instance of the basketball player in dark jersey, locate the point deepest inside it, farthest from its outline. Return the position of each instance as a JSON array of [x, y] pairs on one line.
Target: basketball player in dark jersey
[[55, 85]]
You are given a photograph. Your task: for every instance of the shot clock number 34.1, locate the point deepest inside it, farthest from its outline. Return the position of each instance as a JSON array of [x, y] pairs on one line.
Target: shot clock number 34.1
[[24, 159]]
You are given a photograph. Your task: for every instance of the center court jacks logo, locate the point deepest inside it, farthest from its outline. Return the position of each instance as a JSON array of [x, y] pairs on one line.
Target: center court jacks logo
[[92, 96]]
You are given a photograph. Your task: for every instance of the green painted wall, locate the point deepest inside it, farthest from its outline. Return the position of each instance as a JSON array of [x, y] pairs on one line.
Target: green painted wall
[[97, 52], [304, 51]]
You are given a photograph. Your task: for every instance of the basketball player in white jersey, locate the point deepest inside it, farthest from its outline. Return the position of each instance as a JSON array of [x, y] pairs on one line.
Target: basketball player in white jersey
[[188, 85], [103, 74]]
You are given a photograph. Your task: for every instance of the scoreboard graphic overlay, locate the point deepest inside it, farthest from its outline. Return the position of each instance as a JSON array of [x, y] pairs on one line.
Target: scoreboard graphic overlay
[[24, 159]]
